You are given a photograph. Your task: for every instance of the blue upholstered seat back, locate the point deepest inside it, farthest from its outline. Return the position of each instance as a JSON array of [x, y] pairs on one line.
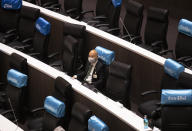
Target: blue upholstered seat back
[[54, 106], [173, 68], [105, 55], [16, 78]]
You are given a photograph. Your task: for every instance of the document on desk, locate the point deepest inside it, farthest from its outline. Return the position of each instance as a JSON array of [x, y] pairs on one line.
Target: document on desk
[[7, 125]]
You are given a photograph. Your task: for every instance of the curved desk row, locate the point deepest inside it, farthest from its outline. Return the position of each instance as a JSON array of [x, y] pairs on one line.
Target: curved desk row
[[115, 115], [147, 66], [120, 42], [118, 116]]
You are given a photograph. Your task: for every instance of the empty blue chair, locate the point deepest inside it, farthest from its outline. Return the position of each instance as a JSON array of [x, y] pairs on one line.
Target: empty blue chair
[[15, 95], [176, 109], [172, 73], [56, 108]]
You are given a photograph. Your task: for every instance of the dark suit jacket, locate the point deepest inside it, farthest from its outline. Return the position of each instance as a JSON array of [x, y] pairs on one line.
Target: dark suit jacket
[[99, 70]]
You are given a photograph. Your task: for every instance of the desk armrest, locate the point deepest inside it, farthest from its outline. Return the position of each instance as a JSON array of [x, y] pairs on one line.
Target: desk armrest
[[164, 52], [11, 31], [188, 60], [183, 58], [100, 18], [102, 25], [53, 8], [86, 12], [95, 22], [22, 48], [51, 56], [136, 38], [150, 92], [6, 112], [113, 29], [38, 109], [157, 43], [56, 5], [71, 10], [34, 54], [28, 40]]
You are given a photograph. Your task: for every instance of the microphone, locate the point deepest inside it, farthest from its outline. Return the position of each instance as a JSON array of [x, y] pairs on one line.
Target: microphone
[[125, 29], [13, 114]]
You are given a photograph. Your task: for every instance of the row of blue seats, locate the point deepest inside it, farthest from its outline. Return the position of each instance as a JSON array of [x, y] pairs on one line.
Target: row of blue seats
[[157, 23], [171, 111], [71, 57], [57, 107], [171, 67], [184, 28]]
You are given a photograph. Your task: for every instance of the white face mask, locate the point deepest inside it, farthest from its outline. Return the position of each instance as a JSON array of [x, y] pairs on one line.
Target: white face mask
[[92, 60]]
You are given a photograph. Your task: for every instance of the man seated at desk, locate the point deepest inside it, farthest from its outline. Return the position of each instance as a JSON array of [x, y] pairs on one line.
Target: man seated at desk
[[93, 75]]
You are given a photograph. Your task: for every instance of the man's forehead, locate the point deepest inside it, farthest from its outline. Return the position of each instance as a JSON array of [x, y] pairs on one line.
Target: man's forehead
[[93, 53]]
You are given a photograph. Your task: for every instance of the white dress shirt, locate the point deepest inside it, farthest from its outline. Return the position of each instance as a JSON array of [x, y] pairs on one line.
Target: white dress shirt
[[89, 75]]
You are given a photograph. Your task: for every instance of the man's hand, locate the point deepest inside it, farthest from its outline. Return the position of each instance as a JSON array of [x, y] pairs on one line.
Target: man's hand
[[74, 77]]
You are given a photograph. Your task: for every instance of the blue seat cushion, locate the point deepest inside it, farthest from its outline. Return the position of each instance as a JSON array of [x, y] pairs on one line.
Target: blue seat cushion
[[16, 78], [185, 27], [54, 106], [105, 55], [117, 3], [95, 124], [176, 97], [173, 68], [11, 4], [43, 26]]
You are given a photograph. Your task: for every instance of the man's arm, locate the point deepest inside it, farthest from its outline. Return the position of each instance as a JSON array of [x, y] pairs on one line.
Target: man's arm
[[82, 74]]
